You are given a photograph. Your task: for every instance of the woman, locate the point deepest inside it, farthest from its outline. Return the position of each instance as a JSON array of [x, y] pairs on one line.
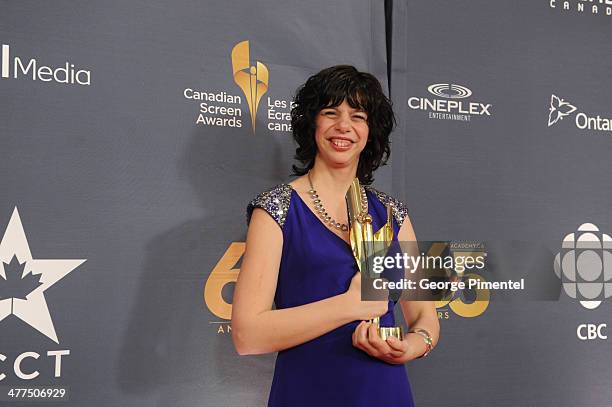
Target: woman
[[298, 256]]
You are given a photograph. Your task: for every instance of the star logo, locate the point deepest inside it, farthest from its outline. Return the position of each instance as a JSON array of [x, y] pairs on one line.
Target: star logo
[[559, 108], [24, 280]]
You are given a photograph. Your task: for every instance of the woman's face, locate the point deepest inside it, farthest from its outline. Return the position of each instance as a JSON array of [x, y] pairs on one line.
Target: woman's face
[[341, 134]]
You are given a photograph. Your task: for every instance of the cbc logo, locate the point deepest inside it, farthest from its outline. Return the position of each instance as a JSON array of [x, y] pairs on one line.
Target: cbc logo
[[589, 332], [584, 265]]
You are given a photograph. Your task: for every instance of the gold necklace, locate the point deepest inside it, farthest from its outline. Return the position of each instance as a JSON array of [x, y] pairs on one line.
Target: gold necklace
[[320, 210]]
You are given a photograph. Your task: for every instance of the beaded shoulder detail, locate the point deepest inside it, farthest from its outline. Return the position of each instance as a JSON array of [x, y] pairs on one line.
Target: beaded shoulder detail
[[398, 208], [275, 201]]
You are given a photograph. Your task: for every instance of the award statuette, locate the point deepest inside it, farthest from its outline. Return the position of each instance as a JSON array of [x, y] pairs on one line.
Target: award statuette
[[366, 244]]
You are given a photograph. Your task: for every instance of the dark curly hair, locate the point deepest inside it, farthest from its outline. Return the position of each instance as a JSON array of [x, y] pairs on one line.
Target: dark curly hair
[[329, 88]]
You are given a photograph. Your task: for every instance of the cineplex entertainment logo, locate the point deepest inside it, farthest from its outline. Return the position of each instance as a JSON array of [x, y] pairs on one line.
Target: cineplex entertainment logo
[[18, 68], [449, 103], [560, 108], [23, 282], [222, 108], [600, 7], [584, 266]]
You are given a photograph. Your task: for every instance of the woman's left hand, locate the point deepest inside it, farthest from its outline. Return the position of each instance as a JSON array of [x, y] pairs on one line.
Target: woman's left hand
[[392, 350]]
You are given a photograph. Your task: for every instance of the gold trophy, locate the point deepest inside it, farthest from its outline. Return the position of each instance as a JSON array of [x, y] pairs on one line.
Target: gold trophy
[[366, 244], [252, 79]]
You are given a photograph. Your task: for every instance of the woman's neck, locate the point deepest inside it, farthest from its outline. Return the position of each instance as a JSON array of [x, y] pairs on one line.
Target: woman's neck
[[332, 180]]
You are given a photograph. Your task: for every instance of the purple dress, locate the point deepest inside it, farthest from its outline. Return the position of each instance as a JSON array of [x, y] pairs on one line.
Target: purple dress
[[317, 264]]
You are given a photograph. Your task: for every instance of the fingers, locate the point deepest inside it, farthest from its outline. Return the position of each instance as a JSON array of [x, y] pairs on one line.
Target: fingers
[[366, 338], [360, 339], [375, 341], [398, 348]]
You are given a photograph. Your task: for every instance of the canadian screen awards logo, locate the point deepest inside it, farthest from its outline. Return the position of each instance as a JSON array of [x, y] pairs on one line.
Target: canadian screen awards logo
[[584, 266], [23, 282], [561, 108], [18, 68], [449, 103], [223, 108]]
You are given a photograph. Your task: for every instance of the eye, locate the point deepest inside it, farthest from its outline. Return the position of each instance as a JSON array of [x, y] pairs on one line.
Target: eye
[[360, 116], [329, 113]]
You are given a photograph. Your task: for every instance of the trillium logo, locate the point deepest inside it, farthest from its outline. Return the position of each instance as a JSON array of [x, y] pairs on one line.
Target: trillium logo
[[584, 265], [559, 108], [24, 280]]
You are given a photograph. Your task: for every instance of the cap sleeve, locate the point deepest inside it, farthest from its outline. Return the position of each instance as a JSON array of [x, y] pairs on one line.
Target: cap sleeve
[[398, 208], [274, 201]]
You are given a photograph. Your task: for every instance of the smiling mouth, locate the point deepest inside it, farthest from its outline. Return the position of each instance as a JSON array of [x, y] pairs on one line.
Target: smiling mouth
[[342, 143]]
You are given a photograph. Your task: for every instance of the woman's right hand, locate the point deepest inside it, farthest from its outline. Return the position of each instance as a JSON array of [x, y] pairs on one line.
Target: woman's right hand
[[364, 310]]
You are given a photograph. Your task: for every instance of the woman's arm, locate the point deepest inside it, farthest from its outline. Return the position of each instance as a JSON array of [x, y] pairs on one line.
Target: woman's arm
[[418, 314], [256, 327]]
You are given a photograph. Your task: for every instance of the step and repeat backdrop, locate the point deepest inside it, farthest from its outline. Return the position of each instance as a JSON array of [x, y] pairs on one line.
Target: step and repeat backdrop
[[505, 135], [133, 135]]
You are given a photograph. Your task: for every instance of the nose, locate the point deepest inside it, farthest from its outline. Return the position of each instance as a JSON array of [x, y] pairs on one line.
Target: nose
[[343, 124]]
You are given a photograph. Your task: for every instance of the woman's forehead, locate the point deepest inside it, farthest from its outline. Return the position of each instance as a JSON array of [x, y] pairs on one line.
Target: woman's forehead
[[355, 103], [345, 105]]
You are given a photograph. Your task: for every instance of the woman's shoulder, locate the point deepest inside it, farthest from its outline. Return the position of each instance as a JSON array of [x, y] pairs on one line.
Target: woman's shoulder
[[275, 201], [398, 208]]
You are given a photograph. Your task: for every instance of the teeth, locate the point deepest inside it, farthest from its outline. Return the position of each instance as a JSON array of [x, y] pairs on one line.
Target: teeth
[[341, 143]]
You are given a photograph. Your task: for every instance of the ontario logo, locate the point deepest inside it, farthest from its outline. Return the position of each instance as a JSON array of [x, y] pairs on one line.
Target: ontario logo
[[23, 282], [603, 7], [560, 108], [17, 68], [449, 104]]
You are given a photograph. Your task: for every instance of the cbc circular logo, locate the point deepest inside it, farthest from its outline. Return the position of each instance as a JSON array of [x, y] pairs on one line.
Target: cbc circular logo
[[584, 265], [449, 90]]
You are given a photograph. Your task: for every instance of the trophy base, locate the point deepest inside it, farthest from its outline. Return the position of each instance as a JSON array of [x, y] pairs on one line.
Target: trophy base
[[388, 331]]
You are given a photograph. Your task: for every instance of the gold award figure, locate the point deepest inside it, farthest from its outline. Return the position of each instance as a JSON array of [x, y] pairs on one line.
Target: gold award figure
[[366, 244], [253, 80]]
